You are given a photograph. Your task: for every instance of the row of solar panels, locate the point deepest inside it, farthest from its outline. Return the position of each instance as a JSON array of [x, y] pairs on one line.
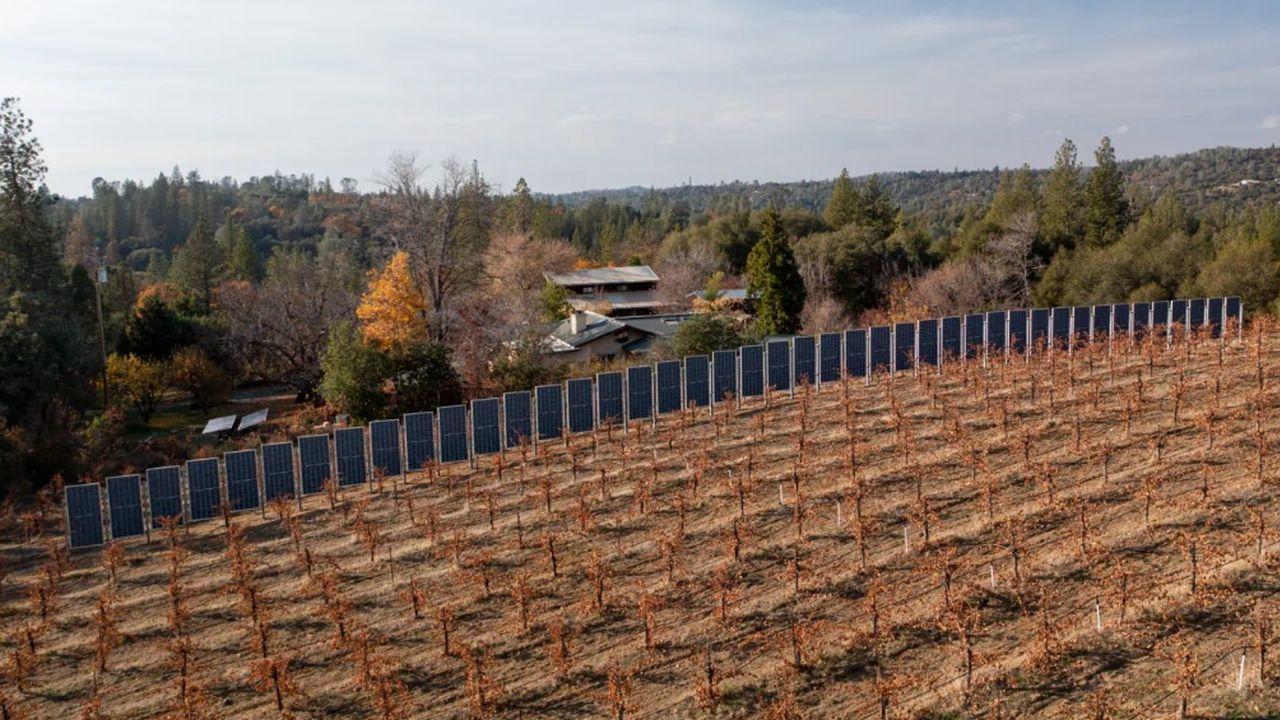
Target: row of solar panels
[[247, 479]]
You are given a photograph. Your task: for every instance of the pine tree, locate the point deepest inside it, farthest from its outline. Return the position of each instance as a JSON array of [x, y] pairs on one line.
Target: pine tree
[[876, 211], [773, 279], [199, 262], [844, 204], [1061, 223], [1106, 209], [243, 261]]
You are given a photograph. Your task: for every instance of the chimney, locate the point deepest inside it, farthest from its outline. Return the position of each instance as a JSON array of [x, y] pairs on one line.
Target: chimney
[[577, 321]]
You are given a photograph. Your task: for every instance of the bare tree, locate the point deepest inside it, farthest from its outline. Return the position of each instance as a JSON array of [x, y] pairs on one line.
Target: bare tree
[[1012, 254]]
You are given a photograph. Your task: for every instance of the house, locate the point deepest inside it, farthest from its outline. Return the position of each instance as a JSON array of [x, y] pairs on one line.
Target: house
[[587, 335], [614, 291]]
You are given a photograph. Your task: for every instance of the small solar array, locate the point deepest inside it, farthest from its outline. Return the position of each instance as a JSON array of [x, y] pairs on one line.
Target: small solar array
[[486, 428]]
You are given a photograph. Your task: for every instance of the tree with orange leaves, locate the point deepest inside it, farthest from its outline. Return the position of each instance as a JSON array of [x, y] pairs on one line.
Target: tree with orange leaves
[[393, 311]]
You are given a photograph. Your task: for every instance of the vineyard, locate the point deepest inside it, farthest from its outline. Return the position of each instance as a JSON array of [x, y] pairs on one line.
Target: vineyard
[[1069, 535]]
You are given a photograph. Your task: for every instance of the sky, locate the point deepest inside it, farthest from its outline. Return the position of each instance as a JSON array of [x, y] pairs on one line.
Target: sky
[[586, 94]]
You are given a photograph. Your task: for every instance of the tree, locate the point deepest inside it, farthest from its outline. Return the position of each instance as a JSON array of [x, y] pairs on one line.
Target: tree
[[141, 383], [1106, 209], [1061, 222], [773, 280], [525, 364], [77, 247], [1244, 266], [554, 302], [154, 331], [198, 265], [354, 373], [845, 204], [705, 333], [243, 261], [876, 211], [424, 378], [200, 378], [393, 311]]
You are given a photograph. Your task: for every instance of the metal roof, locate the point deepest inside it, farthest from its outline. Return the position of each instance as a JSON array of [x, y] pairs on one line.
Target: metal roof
[[563, 339], [625, 300], [605, 276]]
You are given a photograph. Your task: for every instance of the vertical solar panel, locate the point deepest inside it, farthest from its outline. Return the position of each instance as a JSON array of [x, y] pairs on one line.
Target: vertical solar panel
[[778, 358], [904, 346], [1081, 324], [453, 433], [384, 446], [84, 515], [668, 386], [1177, 318], [1060, 326], [952, 338], [1160, 314], [1039, 329], [419, 439], [242, 479], [348, 450], [829, 357], [1196, 310], [804, 360], [752, 370], [549, 402], [927, 342], [277, 471], [639, 392], [1017, 335], [581, 402], [164, 493], [517, 410], [855, 352], [313, 463], [486, 426], [609, 404], [975, 333], [996, 342], [1101, 323], [124, 499], [1214, 318], [881, 349], [697, 381], [1234, 313], [724, 368], [1140, 317], [204, 491]]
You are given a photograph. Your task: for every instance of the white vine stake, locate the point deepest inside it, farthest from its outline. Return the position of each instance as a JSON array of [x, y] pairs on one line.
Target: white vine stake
[[906, 540], [839, 515], [992, 570], [1097, 615], [781, 500], [1240, 675]]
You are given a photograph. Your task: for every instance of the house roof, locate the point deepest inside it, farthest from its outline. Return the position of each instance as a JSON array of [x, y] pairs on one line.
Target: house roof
[[604, 276], [727, 293], [563, 339], [662, 326], [624, 300]]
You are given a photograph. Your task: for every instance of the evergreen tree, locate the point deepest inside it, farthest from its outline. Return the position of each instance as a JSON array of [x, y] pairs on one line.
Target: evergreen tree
[[844, 205], [155, 331], [1017, 194], [199, 262], [1061, 223], [1106, 210], [773, 279], [876, 211], [243, 261], [354, 373]]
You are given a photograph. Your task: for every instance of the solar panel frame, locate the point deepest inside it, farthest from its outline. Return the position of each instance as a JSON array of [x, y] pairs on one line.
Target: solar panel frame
[[904, 347], [751, 371], [277, 471], [804, 360], [226, 423], [640, 392], [975, 335], [164, 494], [315, 464], [996, 341], [486, 426], [1039, 329], [778, 364], [349, 456], [927, 342], [881, 342], [252, 420], [610, 399], [385, 447], [517, 418], [204, 489], [669, 395], [1214, 315], [124, 501], [855, 352], [724, 374], [452, 420], [242, 479], [1016, 340], [419, 439], [829, 357], [697, 381], [83, 508], [580, 400], [952, 338], [549, 405], [1060, 327]]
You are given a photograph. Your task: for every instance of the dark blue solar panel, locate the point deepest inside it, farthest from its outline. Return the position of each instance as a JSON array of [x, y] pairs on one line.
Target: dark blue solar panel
[[277, 471], [904, 346], [419, 439], [1235, 316], [84, 515], [881, 348], [927, 342], [724, 368], [952, 338], [752, 371], [242, 479], [1160, 313], [314, 463], [1215, 319], [996, 341], [348, 451], [697, 381], [1017, 342], [204, 491], [804, 358], [1196, 312], [581, 401], [669, 386], [384, 446], [975, 334], [486, 428], [855, 352], [549, 401], [453, 433], [778, 358], [829, 357], [1101, 322], [1121, 317], [639, 392], [609, 404], [1177, 316], [124, 498], [164, 493], [1060, 327], [1080, 323], [517, 408], [1039, 328], [1141, 317]]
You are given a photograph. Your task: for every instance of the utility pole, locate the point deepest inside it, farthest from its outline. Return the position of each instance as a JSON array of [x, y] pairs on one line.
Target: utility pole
[[102, 335]]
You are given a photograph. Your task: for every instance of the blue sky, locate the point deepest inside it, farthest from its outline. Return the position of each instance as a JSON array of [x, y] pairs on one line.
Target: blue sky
[[588, 93]]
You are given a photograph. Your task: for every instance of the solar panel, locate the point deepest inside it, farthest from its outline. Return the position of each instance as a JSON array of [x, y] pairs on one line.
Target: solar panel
[[1160, 313], [1039, 329], [1177, 317], [904, 344], [829, 357], [242, 479], [222, 424], [1215, 309], [517, 418], [669, 399], [804, 359], [697, 381], [486, 426], [277, 471], [164, 493], [996, 341], [610, 407], [419, 439], [927, 342], [639, 392], [124, 498], [752, 370], [1060, 326], [724, 369], [1081, 319], [1196, 310], [84, 515], [453, 433], [1017, 340], [778, 356], [252, 420], [348, 450], [1141, 317], [855, 352], [1235, 316], [549, 401], [314, 463], [975, 334], [1101, 322], [881, 348], [581, 403], [204, 492], [384, 446], [952, 338]]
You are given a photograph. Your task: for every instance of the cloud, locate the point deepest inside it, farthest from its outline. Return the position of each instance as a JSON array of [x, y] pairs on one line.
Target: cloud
[[1122, 130], [1270, 122], [1016, 118]]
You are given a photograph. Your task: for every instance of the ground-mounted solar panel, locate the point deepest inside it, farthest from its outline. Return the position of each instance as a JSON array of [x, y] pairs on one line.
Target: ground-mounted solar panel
[[314, 465], [1039, 329], [1160, 314], [517, 421], [1234, 313], [1196, 313], [277, 471], [610, 407], [453, 433], [580, 400], [124, 500], [752, 370], [348, 452], [697, 381], [1017, 335], [724, 373], [204, 489], [164, 494], [252, 420], [384, 447], [549, 404], [828, 357], [1214, 316], [1101, 327], [1139, 317], [804, 359], [1177, 318], [1060, 327], [419, 439], [927, 342], [669, 399], [975, 334], [996, 341], [904, 347], [242, 479], [84, 515], [224, 424], [855, 352], [778, 364], [1081, 324], [486, 426], [639, 392], [952, 338], [881, 349]]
